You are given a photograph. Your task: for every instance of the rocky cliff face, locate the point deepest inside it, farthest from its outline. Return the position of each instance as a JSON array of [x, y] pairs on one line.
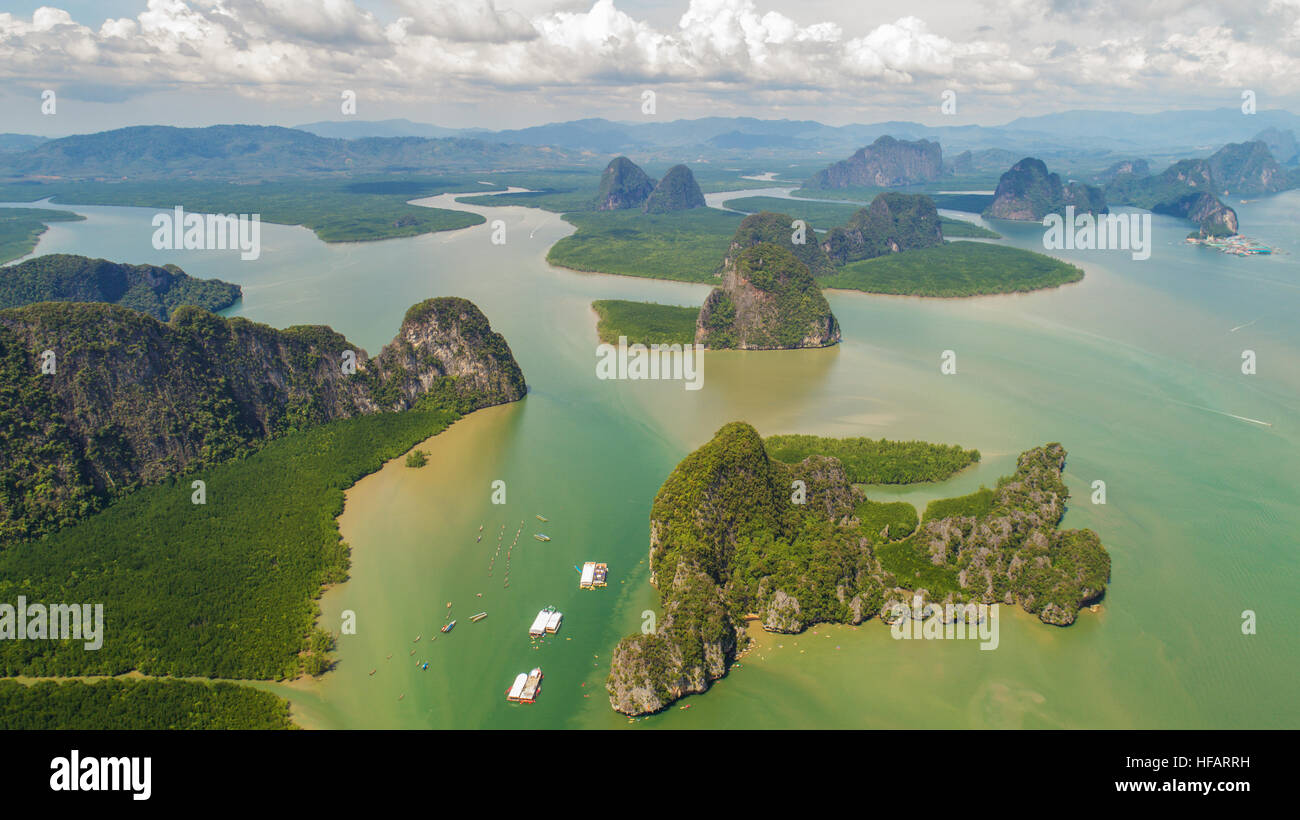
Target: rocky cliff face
[[1184, 189], [1016, 554], [893, 223], [768, 301], [767, 226], [694, 644], [447, 342], [1028, 192], [1247, 169], [677, 191], [728, 538], [886, 163], [133, 400], [1205, 209], [623, 185]]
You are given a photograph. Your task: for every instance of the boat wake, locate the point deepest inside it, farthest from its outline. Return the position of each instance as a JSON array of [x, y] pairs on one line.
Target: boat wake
[[1223, 413]]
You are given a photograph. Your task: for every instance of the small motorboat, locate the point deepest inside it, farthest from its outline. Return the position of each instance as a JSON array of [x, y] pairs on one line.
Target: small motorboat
[[541, 536], [448, 627]]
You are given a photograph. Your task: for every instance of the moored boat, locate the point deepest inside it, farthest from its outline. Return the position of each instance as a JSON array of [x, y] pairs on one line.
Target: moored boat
[[532, 686], [594, 575], [547, 620], [517, 689]]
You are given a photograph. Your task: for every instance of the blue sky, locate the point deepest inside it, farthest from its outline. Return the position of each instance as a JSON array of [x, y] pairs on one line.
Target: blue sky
[[512, 63]]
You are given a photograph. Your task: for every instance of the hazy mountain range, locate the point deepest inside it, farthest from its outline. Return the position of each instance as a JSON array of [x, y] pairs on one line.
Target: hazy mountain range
[[1074, 142], [19, 142], [1165, 133], [262, 152]]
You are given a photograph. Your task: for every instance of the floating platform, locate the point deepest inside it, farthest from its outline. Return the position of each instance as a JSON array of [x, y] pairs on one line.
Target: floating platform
[[1236, 245], [526, 687], [532, 686], [593, 575], [547, 620]]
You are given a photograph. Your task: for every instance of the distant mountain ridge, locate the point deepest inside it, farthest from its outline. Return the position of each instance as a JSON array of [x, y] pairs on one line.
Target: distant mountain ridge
[[1083, 140], [1282, 143], [11, 143], [255, 151], [1138, 167], [351, 129], [1120, 132]]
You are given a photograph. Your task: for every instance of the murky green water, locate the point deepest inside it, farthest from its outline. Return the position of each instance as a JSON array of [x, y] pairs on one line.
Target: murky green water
[[1136, 370]]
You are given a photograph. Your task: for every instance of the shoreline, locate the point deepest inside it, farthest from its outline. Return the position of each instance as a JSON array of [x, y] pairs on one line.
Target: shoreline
[[311, 688]]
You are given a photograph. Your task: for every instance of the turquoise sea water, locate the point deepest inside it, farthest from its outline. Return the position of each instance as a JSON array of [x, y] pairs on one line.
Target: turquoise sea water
[[1136, 370]]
